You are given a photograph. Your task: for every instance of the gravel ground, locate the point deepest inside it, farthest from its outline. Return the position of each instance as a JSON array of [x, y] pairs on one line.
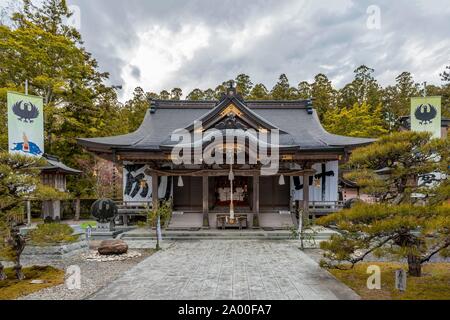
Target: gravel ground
[[94, 276]]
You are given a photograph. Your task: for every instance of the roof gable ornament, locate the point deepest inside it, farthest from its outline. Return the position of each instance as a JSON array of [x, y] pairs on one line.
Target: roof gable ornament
[[231, 112], [231, 122], [231, 92], [152, 107], [309, 107]]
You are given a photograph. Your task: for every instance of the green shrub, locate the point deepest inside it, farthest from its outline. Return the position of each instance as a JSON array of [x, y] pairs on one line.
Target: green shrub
[[164, 212], [52, 233]]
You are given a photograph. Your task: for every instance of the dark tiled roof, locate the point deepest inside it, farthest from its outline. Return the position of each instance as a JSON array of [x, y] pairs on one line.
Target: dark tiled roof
[[296, 118], [54, 164], [348, 183]]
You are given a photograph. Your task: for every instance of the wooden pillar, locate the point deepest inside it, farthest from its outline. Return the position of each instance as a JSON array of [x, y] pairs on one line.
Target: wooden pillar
[[114, 182], [205, 189], [256, 201], [155, 197], [305, 218]]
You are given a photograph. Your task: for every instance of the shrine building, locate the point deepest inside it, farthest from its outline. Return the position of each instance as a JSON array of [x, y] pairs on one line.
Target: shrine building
[[207, 194]]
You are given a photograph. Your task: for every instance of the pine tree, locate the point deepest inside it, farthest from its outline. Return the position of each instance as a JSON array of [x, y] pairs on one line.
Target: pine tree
[[323, 94], [397, 99], [244, 85], [164, 95], [304, 90], [281, 90], [176, 94], [209, 95], [367, 88], [196, 95], [397, 225], [134, 110], [220, 90], [259, 92], [357, 121], [19, 179], [363, 89]]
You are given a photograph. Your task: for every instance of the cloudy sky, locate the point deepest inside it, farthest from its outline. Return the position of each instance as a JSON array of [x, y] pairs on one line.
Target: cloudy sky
[[200, 43]]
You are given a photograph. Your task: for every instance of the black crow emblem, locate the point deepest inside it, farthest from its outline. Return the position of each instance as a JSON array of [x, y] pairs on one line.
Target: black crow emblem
[[25, 111], [425, 113]]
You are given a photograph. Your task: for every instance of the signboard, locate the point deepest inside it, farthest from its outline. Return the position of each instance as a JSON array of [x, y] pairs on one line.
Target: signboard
[[25, 124], [400, 280], [426, 115]]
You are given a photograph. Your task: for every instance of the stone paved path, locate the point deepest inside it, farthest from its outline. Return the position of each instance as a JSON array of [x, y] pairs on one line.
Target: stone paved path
[[233, 269]]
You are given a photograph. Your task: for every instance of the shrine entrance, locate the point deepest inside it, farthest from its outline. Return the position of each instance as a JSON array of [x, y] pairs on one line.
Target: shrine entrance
[[222, 192]]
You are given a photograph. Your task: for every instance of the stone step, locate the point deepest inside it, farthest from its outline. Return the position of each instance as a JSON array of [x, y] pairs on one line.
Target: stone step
[[207, 238], [212, 235], [219, 237]]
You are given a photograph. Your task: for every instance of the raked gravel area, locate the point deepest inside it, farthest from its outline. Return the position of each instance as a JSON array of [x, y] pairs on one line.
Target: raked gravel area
[[94, 276]]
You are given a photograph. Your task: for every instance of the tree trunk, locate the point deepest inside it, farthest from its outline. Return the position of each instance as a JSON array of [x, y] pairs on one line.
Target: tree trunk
[[2, 273], [414, 266], [19, 273], [18, 244]]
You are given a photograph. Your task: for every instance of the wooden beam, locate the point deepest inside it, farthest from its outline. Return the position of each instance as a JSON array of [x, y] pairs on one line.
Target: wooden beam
[[164, 155], [123, 155], [223, 172], [205, 189], [318, 156]]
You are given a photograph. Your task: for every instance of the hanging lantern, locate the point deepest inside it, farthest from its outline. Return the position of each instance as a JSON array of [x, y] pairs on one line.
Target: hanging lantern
[[282, 182], [317, 183], [143, 183], [180, 182]]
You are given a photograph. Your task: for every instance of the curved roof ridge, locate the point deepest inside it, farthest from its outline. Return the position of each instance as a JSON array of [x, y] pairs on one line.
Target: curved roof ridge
[[300, 126], [331, 135]]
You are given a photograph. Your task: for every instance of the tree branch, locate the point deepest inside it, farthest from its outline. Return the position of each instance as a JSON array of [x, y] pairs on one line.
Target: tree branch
[[428, 258], [361, 258]]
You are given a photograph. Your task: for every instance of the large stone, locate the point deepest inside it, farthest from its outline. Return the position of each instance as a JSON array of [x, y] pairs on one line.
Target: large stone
[[110, 247]]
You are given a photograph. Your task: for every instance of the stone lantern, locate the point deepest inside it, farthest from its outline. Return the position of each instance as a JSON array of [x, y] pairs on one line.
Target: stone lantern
[[54, 174]]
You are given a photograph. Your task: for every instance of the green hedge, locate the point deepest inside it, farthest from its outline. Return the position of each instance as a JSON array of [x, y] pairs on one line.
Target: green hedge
[[51, 233]]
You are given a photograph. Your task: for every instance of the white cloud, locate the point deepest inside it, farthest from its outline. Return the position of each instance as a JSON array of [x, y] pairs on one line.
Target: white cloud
[[198, 44], [160, 53]]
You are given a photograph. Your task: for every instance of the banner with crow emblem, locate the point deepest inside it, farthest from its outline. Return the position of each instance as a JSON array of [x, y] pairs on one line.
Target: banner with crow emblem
[[426, 115], [25, 124]]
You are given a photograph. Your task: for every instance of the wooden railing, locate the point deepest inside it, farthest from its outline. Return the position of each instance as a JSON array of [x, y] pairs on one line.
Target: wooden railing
[[318, 208], [133, 207], [128, 209]]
